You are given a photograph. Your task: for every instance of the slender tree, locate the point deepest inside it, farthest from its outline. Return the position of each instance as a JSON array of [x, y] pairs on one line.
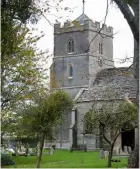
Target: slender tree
[[41, 119], [111, 119]]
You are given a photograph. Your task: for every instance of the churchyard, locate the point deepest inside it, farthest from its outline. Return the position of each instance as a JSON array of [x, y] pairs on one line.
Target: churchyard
[[78, 89], [67, 159]]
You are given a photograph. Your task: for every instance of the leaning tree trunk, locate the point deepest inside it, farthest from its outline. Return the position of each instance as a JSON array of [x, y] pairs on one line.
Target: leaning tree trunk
[[133, 22], [133, 161], [40, 152], [110, 156]]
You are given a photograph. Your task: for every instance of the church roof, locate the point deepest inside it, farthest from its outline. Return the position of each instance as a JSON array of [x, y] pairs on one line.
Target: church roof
[[82, 18], [109, 81]]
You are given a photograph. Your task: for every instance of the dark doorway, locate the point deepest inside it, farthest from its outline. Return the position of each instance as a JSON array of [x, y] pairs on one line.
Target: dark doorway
[[75, 131], [128, 139]]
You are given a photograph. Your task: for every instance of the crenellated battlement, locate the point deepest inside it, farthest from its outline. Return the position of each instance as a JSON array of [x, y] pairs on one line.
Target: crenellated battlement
[[86, 25]]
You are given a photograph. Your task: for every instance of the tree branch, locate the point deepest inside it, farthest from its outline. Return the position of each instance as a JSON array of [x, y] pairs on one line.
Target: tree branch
[[104, 136], [124, 8], [99, 32], [116, 137]]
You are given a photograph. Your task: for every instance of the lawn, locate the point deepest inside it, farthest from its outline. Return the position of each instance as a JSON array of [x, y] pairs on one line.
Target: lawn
[[66, 159]]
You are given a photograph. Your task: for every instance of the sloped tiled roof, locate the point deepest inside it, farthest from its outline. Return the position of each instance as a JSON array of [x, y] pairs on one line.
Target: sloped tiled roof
[[113, 83], [82, 18]]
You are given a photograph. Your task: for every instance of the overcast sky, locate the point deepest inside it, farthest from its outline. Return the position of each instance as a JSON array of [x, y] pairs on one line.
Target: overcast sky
[[94, 9]]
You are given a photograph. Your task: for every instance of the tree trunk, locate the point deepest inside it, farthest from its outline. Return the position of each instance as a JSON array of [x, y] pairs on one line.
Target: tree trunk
[[133, 161], [40, 152], [110, 156], [128, 15], [133, 22]]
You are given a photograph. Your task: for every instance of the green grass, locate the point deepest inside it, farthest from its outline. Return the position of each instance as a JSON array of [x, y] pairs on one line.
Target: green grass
[[66, 159]]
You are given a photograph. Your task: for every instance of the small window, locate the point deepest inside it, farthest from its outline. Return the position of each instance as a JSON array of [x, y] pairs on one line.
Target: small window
[[70, 45], [70, 71], [101, 48]]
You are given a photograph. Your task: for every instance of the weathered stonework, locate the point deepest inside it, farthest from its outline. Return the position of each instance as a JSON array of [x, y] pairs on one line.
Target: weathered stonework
[[90, 79]]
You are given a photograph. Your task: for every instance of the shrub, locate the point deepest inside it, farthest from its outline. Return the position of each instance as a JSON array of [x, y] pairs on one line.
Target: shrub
[[6, 160]]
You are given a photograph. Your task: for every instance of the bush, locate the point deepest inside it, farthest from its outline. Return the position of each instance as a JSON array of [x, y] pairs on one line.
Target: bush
[[6, 160]]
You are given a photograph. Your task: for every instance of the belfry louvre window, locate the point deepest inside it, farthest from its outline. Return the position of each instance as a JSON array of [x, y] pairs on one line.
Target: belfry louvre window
[[70, 45], [101, 48]]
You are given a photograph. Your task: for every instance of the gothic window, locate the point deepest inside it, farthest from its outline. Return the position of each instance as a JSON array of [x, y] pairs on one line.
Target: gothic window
[[70, 45], [100, 48], [70, 70]]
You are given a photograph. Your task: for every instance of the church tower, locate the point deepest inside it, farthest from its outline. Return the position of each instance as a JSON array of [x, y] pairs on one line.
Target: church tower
[[81, 49]]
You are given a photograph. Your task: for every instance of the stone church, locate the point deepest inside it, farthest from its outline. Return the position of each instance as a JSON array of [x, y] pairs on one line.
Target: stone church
[[83, 66]]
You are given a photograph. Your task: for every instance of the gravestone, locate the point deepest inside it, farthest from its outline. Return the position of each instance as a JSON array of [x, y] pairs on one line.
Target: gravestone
[[119, 150], [102, 155], [22, 148], [125, 149], [52, 148], [16, 150], [129, 150], [106, 153], [114, 152], [30, 150], [27, 149], [20, 145]]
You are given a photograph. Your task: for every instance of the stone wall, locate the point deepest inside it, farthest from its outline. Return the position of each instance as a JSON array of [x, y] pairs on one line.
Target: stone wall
[[64, 145], [80, 66], [80, 39], [91, 140]]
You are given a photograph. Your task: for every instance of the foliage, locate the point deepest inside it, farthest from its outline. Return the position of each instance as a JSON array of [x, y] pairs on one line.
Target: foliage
[[29, 10], [112, 118], [40, 120], [21, 77], [18, 10], [41, 117], [18, 68], [16, 42], [6, 160]]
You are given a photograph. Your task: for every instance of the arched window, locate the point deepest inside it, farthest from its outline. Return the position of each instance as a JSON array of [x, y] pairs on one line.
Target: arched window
[[101, 48], [70, 70], [70, 45]]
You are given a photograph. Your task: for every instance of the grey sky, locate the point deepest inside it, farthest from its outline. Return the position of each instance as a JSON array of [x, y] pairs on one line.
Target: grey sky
[[94, 9]]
